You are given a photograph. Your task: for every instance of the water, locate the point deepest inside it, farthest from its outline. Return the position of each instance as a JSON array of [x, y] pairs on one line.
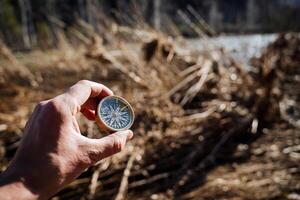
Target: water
[[241, 47]]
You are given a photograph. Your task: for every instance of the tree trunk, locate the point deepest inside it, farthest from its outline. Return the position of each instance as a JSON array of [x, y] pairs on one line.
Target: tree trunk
[[32, 32], [91, 7], [251, 14], [82, 9], [3, 32], [157, 13], [28, 31], [51, 15], [25, 28], [215, 17]]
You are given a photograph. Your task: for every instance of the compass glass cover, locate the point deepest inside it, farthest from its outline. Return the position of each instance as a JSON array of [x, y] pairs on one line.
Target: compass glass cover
[[116, 113]]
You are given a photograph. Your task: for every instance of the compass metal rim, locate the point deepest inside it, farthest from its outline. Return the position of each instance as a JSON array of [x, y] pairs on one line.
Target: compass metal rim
[[104, 125]]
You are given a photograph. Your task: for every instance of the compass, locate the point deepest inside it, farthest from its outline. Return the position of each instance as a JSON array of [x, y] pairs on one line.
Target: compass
[[114, 114]]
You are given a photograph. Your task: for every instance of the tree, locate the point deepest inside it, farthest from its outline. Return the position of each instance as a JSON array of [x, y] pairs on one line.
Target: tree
[[157, 13], [28, 32]]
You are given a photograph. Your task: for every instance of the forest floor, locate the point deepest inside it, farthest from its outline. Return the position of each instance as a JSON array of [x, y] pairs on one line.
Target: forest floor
[[205, 128]]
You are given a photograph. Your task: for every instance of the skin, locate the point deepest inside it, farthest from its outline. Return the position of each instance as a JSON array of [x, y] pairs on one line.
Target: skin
[[52, 152]]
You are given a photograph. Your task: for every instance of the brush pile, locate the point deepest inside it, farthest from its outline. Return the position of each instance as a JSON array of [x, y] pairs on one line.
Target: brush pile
[[279, 65], [193, 110]]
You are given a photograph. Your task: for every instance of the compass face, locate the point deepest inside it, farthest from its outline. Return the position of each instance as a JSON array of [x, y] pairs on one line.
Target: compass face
[[115, 113]]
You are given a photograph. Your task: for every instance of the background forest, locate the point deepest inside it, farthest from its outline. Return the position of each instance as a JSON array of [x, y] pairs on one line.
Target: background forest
[[30, 23]]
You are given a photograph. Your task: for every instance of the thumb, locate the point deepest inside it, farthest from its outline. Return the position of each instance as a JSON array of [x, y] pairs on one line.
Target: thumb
[[98, 149]]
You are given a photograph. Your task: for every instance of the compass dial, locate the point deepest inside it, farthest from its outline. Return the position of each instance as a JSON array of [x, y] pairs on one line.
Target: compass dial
[[115, 113]]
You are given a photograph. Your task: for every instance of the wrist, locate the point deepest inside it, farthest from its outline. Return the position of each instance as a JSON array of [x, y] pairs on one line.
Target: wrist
[[14, 186]]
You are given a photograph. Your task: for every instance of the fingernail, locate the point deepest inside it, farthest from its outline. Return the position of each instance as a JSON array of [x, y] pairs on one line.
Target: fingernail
[[129, 134]]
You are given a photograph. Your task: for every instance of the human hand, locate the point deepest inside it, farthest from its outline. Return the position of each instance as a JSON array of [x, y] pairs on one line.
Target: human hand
[[52, 152]]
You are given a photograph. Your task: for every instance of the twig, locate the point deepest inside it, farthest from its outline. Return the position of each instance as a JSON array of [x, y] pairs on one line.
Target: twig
[[201, 20], [189, 70], [193, 91], [183, 83], [124, 182], [94, 182], [149, 180], [191, 24], [198, 116]]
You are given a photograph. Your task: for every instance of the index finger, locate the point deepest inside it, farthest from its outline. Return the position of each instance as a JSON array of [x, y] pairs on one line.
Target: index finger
[[84, 90]]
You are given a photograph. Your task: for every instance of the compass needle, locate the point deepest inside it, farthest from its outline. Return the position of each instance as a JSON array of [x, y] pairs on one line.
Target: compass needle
[[123, 107]]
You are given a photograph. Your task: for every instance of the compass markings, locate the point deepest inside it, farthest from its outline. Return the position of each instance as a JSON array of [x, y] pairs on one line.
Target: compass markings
[[115, 113]]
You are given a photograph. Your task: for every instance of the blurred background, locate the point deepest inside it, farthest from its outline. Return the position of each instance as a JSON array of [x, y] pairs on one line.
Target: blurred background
[[214, 85], [31, 23]]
